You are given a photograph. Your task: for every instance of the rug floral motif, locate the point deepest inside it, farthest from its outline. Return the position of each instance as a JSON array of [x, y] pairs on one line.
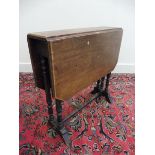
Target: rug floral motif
[[99, 129]]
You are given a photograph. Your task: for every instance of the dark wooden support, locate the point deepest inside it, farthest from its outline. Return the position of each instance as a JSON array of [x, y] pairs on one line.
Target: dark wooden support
[[96, 88], [45, 72], [107, 81], [59, 113], [99, 88], [57, 125], [101, 84], [60, 123], [106, 92]]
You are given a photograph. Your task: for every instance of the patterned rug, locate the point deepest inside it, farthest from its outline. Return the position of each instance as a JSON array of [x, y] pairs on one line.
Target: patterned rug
[[99, 129]]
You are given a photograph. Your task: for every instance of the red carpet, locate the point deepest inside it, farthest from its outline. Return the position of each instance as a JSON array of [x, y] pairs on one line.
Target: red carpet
[[99, 129]]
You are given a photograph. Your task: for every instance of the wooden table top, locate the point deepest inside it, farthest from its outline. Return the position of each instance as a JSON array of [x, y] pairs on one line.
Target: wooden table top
[[67, 32], [77, 57]]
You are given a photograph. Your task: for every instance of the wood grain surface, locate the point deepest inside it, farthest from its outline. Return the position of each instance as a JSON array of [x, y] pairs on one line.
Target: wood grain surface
[[77, 58], [80, 61]]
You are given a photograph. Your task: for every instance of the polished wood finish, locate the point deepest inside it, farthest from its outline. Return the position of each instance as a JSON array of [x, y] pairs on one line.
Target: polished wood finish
[[76, 58]]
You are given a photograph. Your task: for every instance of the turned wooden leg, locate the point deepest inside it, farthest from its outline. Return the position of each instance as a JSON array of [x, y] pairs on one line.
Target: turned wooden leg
[[96, 88], [107, 82], [101, 84], [44, 66], [106, 92], [59, 113], [99, 88], [60, 123]]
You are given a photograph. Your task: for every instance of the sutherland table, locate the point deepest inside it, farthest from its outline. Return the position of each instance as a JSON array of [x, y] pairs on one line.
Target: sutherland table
[[65, 62]]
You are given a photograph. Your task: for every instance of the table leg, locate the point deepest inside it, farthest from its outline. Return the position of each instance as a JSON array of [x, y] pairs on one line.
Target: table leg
[[60, 124], [101, 84], [59, 113], [96, 88], [99, 88], [106, 92], [46, 78]]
